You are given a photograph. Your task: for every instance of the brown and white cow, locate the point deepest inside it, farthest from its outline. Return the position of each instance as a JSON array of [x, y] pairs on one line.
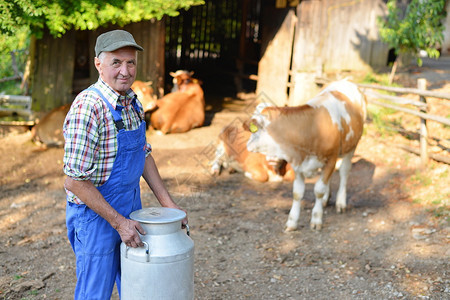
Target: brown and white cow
[[312, 137], [232, 153], [182, 110]]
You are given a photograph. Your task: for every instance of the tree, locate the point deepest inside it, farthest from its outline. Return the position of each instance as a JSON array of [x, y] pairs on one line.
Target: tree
[[61, 15], [420, 28]]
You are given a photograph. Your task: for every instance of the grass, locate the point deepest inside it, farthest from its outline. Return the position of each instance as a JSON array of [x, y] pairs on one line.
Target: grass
[[446, 126], [420, 178], [429, 189], [426, 187], [379, 115], [441, 212]]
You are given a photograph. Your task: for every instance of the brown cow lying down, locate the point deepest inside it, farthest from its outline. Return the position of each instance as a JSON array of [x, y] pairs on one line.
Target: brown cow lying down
[[232, 153], [182, 110], [311, 137], [144, 92], [49, 130]]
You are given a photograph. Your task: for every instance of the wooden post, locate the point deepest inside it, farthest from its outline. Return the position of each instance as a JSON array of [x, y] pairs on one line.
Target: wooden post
[[422, 85]]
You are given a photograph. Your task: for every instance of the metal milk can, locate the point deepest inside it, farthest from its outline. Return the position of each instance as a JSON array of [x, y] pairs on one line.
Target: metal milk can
[[164, 267]]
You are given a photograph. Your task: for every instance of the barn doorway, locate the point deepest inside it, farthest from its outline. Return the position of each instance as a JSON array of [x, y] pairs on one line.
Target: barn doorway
[[220, 41], [82, 62]]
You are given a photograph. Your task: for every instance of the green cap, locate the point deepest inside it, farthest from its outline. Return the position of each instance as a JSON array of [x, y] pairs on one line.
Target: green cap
[[113, 40]]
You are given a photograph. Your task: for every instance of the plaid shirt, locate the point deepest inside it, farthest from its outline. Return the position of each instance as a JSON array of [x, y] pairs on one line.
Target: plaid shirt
[[90, 134]]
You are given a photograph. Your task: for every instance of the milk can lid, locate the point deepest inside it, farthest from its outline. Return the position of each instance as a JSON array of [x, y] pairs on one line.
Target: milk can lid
[[157, 215]]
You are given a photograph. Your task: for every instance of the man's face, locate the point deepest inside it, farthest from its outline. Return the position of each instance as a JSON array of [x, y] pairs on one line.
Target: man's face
[[118, 68]]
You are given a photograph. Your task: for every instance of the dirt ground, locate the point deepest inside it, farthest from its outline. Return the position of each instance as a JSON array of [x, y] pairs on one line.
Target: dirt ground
[[392, 243]]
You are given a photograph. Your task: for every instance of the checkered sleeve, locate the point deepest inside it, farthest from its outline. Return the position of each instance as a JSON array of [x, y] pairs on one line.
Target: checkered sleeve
[[81, 133], [148, 149]]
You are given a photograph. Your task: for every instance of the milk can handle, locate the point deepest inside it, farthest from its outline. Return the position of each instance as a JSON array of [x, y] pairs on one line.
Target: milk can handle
[[187, 230], [147, 251]]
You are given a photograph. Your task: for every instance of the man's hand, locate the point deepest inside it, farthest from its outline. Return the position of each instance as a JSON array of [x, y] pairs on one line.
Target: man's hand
[[128, 231]]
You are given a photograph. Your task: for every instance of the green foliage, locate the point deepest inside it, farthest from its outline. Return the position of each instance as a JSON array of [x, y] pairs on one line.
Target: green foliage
[[16, 14], [21, 18], [18, 44], [421, 27], [374, 78], [61, 15]]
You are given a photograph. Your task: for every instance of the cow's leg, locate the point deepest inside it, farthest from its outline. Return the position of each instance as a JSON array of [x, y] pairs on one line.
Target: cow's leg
[[344, 171], [322, 193], [217, 163], [298, 191]]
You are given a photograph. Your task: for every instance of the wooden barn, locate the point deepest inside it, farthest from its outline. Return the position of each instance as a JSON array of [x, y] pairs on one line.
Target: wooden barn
[[272, 47]]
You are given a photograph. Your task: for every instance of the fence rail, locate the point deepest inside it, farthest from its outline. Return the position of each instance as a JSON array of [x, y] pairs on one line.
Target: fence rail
[[15, 105], [421, 112]]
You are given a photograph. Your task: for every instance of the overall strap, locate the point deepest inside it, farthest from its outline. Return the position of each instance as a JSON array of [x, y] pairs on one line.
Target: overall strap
[[115, 112], [136, 107]]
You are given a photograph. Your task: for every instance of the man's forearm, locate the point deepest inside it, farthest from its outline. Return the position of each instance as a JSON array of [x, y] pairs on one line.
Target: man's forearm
[[89, 194], [154, 181]]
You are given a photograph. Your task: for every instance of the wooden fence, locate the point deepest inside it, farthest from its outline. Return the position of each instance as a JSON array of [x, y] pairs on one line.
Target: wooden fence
[[421, 112], [16, 105]]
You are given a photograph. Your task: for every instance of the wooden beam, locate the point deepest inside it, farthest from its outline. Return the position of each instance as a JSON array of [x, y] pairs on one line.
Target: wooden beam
[[424, 93], [15, 99], [413, 112], [395, 99], [422, 85], [436, 157], [18, 123]]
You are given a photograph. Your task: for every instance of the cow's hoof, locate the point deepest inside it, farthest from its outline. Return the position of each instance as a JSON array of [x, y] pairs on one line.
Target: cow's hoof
[[316, 226], [341, 209], [289, 229], [291, 225], [215, 171]]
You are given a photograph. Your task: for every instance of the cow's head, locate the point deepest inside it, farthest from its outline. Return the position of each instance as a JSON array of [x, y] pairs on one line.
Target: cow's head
[[260, 140], [181, 78]]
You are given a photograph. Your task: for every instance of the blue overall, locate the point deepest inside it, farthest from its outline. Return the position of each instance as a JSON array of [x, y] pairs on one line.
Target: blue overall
[[95, 242]]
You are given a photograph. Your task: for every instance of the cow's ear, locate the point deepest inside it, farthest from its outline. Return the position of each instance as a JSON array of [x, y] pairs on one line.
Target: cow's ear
[[173, 74], [270, 113]]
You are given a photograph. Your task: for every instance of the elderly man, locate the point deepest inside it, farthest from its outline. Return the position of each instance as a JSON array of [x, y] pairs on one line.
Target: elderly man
[[105, 155]]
